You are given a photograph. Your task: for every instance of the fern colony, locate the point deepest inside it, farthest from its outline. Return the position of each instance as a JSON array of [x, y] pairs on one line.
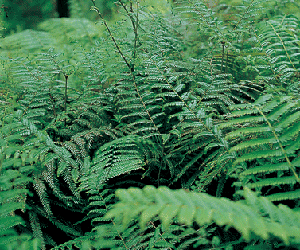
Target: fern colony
[[175, 126]]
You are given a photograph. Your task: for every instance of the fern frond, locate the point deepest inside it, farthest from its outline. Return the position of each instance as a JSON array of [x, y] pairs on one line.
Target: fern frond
[[115, 158], [257, 215], [279, 39], [15, 176], [274, 137]]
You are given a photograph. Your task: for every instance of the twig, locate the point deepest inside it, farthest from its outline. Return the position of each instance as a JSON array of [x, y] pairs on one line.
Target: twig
[[112, 37]]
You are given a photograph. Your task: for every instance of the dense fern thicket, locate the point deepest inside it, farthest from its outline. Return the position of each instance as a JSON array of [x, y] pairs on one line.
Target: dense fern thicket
[[161, 126]]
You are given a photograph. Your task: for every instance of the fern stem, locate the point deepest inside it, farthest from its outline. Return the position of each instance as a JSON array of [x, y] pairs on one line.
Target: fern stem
[[160, 234], [66, 92], [112, 37], [223, 52], [135, 23], [242, 17]]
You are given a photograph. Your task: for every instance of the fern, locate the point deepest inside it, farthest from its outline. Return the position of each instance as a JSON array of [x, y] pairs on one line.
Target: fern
[[268, 150], [279, 42], [16, 169], [117, 157], [108, 234], [185, 94], [257, 215]]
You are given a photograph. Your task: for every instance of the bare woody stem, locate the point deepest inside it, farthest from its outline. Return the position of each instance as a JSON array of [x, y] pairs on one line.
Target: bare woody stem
[[112, 37], [66, 92], [135, 23]]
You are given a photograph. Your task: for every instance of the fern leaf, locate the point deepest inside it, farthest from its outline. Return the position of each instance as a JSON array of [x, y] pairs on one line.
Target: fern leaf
[[202, 208]]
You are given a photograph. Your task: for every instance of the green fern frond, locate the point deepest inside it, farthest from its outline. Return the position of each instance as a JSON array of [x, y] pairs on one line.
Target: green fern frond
[[291, 195], [31, 40], [279, 39], [256, 215], [115, 158], [71, 29], [15, 176], [274, 137], [266, 168]]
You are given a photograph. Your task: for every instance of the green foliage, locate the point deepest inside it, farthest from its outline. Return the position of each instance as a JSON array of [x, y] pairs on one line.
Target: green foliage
[[79, 8], [180, 95], [16, 169], [256, 215], [267, 131], [17, 15]]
